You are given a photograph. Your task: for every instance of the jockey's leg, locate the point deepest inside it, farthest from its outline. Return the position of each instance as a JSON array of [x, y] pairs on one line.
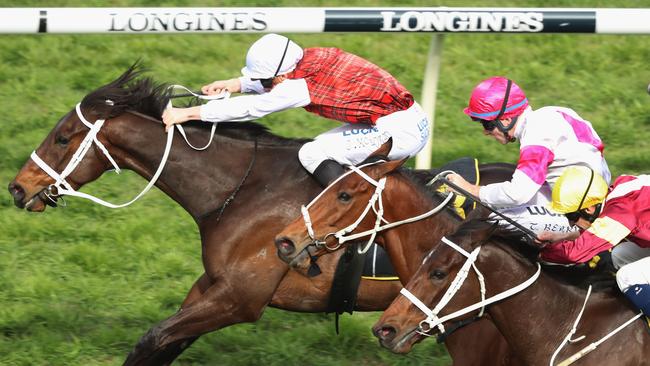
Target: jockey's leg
[[634, 280], [327, 172], [351, 144], [627, 252]]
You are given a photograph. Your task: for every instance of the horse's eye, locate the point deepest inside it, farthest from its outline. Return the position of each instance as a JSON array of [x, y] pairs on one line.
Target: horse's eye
[[344, 197], [62, 140], [438, 274]]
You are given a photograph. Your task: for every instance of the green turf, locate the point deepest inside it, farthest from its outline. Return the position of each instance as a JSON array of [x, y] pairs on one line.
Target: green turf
[[80, 285]]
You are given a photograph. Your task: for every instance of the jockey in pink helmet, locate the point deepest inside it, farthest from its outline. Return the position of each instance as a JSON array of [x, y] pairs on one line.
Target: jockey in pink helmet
[[551, 139], [495, 99]]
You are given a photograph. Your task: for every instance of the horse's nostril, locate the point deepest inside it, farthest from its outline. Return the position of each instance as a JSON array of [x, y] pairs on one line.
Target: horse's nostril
[[16, 190], [385, 333], [285, 246]]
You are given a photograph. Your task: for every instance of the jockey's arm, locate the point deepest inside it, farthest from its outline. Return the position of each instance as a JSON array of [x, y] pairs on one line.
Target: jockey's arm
[[527, 179], [288, 94], [234, 85], [615, 223]]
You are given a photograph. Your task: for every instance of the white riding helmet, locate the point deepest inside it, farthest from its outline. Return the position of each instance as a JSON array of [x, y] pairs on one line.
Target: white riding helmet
[[270, 56]]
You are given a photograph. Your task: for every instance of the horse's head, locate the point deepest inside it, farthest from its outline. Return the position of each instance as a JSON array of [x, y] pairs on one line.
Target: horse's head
[[343, 204], [443, 269], [75, 152]]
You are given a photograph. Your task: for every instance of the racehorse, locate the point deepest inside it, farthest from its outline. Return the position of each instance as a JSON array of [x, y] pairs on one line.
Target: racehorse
[[343, 203], [241, 190], [534, 321]]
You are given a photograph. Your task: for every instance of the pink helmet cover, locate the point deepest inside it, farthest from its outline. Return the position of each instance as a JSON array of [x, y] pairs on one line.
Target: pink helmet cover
[[487, 99]]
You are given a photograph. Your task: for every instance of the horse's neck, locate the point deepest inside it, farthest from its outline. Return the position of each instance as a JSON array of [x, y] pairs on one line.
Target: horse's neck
[[408, 244], [537, 319], [200, 181]]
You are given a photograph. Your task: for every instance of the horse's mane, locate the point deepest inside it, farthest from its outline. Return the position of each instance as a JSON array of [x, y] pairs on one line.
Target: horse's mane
[[131, 92], [515, 243], [420, 180]]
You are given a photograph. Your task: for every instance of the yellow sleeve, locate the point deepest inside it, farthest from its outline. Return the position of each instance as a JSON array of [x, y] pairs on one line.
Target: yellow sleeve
[[609, 229]]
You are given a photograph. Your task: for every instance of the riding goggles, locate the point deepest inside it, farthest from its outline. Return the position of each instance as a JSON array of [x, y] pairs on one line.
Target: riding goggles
[[487, 125], [573, 216]]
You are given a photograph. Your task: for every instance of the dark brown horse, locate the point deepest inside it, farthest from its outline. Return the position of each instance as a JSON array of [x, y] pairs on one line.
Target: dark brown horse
[[534, 321], [241, 191], [403, 197]]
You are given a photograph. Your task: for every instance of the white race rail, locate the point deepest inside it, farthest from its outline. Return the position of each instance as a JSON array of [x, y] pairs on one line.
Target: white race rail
[[317, 20]]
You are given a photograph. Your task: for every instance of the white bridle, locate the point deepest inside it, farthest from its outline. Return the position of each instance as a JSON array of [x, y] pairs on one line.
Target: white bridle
[[376, 203], [432, 320], [62, 187]]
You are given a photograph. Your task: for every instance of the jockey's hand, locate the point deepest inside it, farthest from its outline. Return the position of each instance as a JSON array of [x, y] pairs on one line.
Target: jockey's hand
[[219, 86], [547, 237], [462, 183], [172, 116]]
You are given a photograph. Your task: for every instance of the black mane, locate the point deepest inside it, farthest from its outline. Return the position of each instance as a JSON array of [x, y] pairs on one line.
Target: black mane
[[421, 179], [579, 276], [131, 92]]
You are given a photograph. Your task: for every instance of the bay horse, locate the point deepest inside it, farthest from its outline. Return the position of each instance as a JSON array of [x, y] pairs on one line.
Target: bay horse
[[241, 190], [534, 321], [344, 201]]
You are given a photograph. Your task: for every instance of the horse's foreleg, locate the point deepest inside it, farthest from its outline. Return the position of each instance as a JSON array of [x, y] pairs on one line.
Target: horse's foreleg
[[172, 351], [227, 301]]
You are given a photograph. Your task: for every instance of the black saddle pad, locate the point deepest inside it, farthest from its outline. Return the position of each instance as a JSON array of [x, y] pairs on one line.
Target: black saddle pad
[[377, 265]]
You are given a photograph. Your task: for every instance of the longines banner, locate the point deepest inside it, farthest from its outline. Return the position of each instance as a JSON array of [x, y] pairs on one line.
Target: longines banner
[[317, 20]]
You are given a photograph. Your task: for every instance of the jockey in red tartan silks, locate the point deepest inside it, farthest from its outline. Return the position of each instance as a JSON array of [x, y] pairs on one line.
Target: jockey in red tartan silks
[[328, 82]]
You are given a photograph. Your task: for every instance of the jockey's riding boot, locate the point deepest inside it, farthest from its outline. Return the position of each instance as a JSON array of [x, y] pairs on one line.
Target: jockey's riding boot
[[327, 172], [640, 297]]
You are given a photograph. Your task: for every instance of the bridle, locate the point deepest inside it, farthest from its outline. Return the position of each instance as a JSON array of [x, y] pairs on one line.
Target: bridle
[[433, 320], [375, 203], [62, 187]]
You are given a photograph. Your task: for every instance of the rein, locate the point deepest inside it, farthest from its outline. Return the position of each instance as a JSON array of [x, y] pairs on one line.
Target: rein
[[432, 320], [375, 203], [529, 233], [61, 187]]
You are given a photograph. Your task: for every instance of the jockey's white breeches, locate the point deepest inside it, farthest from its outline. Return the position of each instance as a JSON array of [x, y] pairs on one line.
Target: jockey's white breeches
[[536, 216], [633, 263], [350, 144]]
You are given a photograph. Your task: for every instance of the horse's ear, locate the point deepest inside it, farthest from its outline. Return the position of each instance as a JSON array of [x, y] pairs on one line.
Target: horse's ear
[[483, 231], [380, 170], [383, 150]]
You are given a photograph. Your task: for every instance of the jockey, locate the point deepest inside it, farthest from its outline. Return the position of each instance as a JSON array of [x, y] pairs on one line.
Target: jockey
[[618, 219], [551, 139], [330, 83]]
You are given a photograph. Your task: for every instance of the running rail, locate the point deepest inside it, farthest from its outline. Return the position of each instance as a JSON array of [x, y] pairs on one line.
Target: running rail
[[318, 20]]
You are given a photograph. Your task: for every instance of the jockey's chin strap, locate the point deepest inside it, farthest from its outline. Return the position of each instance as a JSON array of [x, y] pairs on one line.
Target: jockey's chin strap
[[61, 187], [432, 320], [375, 203]]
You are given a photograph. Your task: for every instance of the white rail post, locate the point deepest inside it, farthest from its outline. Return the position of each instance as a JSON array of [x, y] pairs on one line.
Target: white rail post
[[428, 99]]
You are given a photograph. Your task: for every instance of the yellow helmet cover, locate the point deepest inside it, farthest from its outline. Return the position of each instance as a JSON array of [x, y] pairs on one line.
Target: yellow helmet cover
[[577, 188]]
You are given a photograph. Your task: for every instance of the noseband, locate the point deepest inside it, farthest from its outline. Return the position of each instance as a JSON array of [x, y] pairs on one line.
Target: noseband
[[375, 203], [432, 320], [61, 187]]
